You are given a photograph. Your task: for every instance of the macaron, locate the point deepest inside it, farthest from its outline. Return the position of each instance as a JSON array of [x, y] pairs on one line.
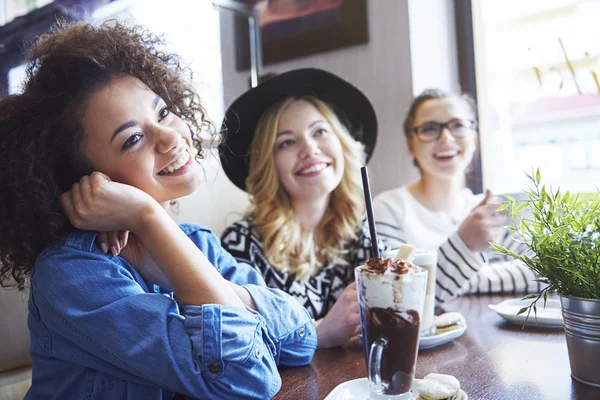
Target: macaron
[[440, 387], [447, 322]]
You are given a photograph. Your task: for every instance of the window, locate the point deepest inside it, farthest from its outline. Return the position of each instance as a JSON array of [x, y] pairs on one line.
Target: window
[[538, 88], [11, 9], [16, 76]]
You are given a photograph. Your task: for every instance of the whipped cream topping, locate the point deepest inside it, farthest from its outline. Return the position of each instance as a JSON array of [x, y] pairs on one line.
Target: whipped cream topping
[[399, 285]]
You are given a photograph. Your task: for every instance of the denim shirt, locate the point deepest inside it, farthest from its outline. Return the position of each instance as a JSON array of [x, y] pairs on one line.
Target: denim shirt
[[99, 331]]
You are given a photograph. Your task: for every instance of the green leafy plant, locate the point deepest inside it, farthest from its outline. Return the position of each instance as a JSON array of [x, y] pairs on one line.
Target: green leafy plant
[[563, 233]]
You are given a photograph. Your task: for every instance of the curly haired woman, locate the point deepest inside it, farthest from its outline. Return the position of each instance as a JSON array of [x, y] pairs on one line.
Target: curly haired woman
[[103, 138], [294, 144]]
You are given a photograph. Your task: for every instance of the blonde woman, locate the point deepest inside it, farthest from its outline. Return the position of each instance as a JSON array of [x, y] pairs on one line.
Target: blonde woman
[[296, 144]]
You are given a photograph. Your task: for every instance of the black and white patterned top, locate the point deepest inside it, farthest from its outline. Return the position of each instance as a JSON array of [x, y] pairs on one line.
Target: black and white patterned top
[[319, 292]]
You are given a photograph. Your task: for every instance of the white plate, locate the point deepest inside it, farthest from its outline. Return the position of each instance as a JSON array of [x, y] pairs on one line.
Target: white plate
[[358, 389], [549, 317], [427, 342]]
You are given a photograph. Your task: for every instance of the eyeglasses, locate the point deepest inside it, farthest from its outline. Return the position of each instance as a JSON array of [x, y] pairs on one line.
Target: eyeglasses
[[432, 131]]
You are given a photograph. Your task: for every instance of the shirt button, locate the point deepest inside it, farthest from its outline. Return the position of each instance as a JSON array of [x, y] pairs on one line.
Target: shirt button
[[214, 367], [302, 332], [258, 352]]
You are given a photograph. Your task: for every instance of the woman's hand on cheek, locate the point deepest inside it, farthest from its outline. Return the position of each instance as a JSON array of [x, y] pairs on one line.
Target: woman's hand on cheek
[[342, 323], [96, 203]]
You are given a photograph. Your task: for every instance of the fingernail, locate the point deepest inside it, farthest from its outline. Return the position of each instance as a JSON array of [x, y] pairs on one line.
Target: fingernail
[[104, 247], [114, 250]]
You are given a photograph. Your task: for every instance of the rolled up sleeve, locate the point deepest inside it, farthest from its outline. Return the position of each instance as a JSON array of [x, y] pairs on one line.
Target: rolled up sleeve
[[457, 264], [232, 347], [289, 325]]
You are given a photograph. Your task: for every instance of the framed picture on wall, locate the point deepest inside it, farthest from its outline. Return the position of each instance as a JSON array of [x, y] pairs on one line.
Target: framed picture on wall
[[298, 28]]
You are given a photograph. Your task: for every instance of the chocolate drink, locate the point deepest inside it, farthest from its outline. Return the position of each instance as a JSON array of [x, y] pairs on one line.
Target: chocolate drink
[[391, 297], [398, 363]]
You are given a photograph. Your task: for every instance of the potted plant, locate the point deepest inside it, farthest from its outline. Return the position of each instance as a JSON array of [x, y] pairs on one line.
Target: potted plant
[[563, 233]]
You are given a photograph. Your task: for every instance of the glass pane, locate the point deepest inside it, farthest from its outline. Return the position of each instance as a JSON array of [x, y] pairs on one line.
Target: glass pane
[[16, 76], [16, 8], [538, 67]]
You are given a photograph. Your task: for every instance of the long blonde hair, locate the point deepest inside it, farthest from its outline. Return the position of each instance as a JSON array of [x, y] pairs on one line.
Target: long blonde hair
[[288, 246]]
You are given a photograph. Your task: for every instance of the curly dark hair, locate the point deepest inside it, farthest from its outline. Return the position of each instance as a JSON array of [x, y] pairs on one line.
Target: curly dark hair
[[42, 131]]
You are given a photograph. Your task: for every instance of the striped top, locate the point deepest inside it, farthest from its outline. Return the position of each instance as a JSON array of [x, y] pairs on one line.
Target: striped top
[[400, 218]]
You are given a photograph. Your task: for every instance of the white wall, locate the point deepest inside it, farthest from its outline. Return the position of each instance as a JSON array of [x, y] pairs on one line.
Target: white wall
[[434, 55]]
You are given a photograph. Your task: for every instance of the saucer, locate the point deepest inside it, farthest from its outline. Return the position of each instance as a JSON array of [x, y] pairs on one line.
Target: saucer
[[358, 389], [549, 317], [434, 340]]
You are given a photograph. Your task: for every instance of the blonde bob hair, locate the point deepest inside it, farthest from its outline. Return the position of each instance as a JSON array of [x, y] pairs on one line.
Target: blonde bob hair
[[288, 246]]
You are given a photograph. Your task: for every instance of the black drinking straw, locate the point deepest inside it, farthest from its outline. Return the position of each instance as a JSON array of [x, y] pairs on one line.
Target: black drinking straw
[[367, 189]]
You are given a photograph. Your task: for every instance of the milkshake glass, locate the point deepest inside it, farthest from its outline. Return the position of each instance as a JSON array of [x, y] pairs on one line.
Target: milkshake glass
[[391, 295]]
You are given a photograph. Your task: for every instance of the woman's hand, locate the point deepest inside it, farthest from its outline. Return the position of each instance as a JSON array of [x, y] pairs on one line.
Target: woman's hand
[[342, 323], [131, 248], [136, 254], [482, 226], [98, 204], [113, 241]]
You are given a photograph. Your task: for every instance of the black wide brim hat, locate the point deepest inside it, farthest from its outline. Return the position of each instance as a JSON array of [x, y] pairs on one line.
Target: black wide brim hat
[[351, 106]]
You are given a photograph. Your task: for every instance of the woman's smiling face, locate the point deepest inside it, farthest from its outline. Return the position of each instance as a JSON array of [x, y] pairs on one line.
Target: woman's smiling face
[[448, 156], [131, 136], [309, 157]]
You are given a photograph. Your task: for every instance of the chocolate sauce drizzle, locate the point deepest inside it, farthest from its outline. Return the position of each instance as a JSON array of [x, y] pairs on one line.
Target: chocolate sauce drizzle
[[380, 265]]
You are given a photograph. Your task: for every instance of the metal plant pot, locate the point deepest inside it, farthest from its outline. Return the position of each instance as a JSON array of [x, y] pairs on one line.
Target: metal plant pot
[[582, 330]]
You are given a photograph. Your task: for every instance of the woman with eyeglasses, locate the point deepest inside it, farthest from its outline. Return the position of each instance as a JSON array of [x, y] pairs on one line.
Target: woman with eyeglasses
[[440, 212]]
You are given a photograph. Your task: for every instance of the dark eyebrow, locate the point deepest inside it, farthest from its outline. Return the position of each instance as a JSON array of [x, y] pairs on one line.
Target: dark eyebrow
[[120, 129], [289, 132], [283, 133], [132, 123]]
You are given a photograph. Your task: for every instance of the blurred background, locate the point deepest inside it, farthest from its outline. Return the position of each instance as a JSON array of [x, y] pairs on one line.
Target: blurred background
[[532, 66]]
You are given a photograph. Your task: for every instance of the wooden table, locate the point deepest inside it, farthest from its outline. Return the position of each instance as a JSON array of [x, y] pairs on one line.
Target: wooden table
[[493, 360]]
